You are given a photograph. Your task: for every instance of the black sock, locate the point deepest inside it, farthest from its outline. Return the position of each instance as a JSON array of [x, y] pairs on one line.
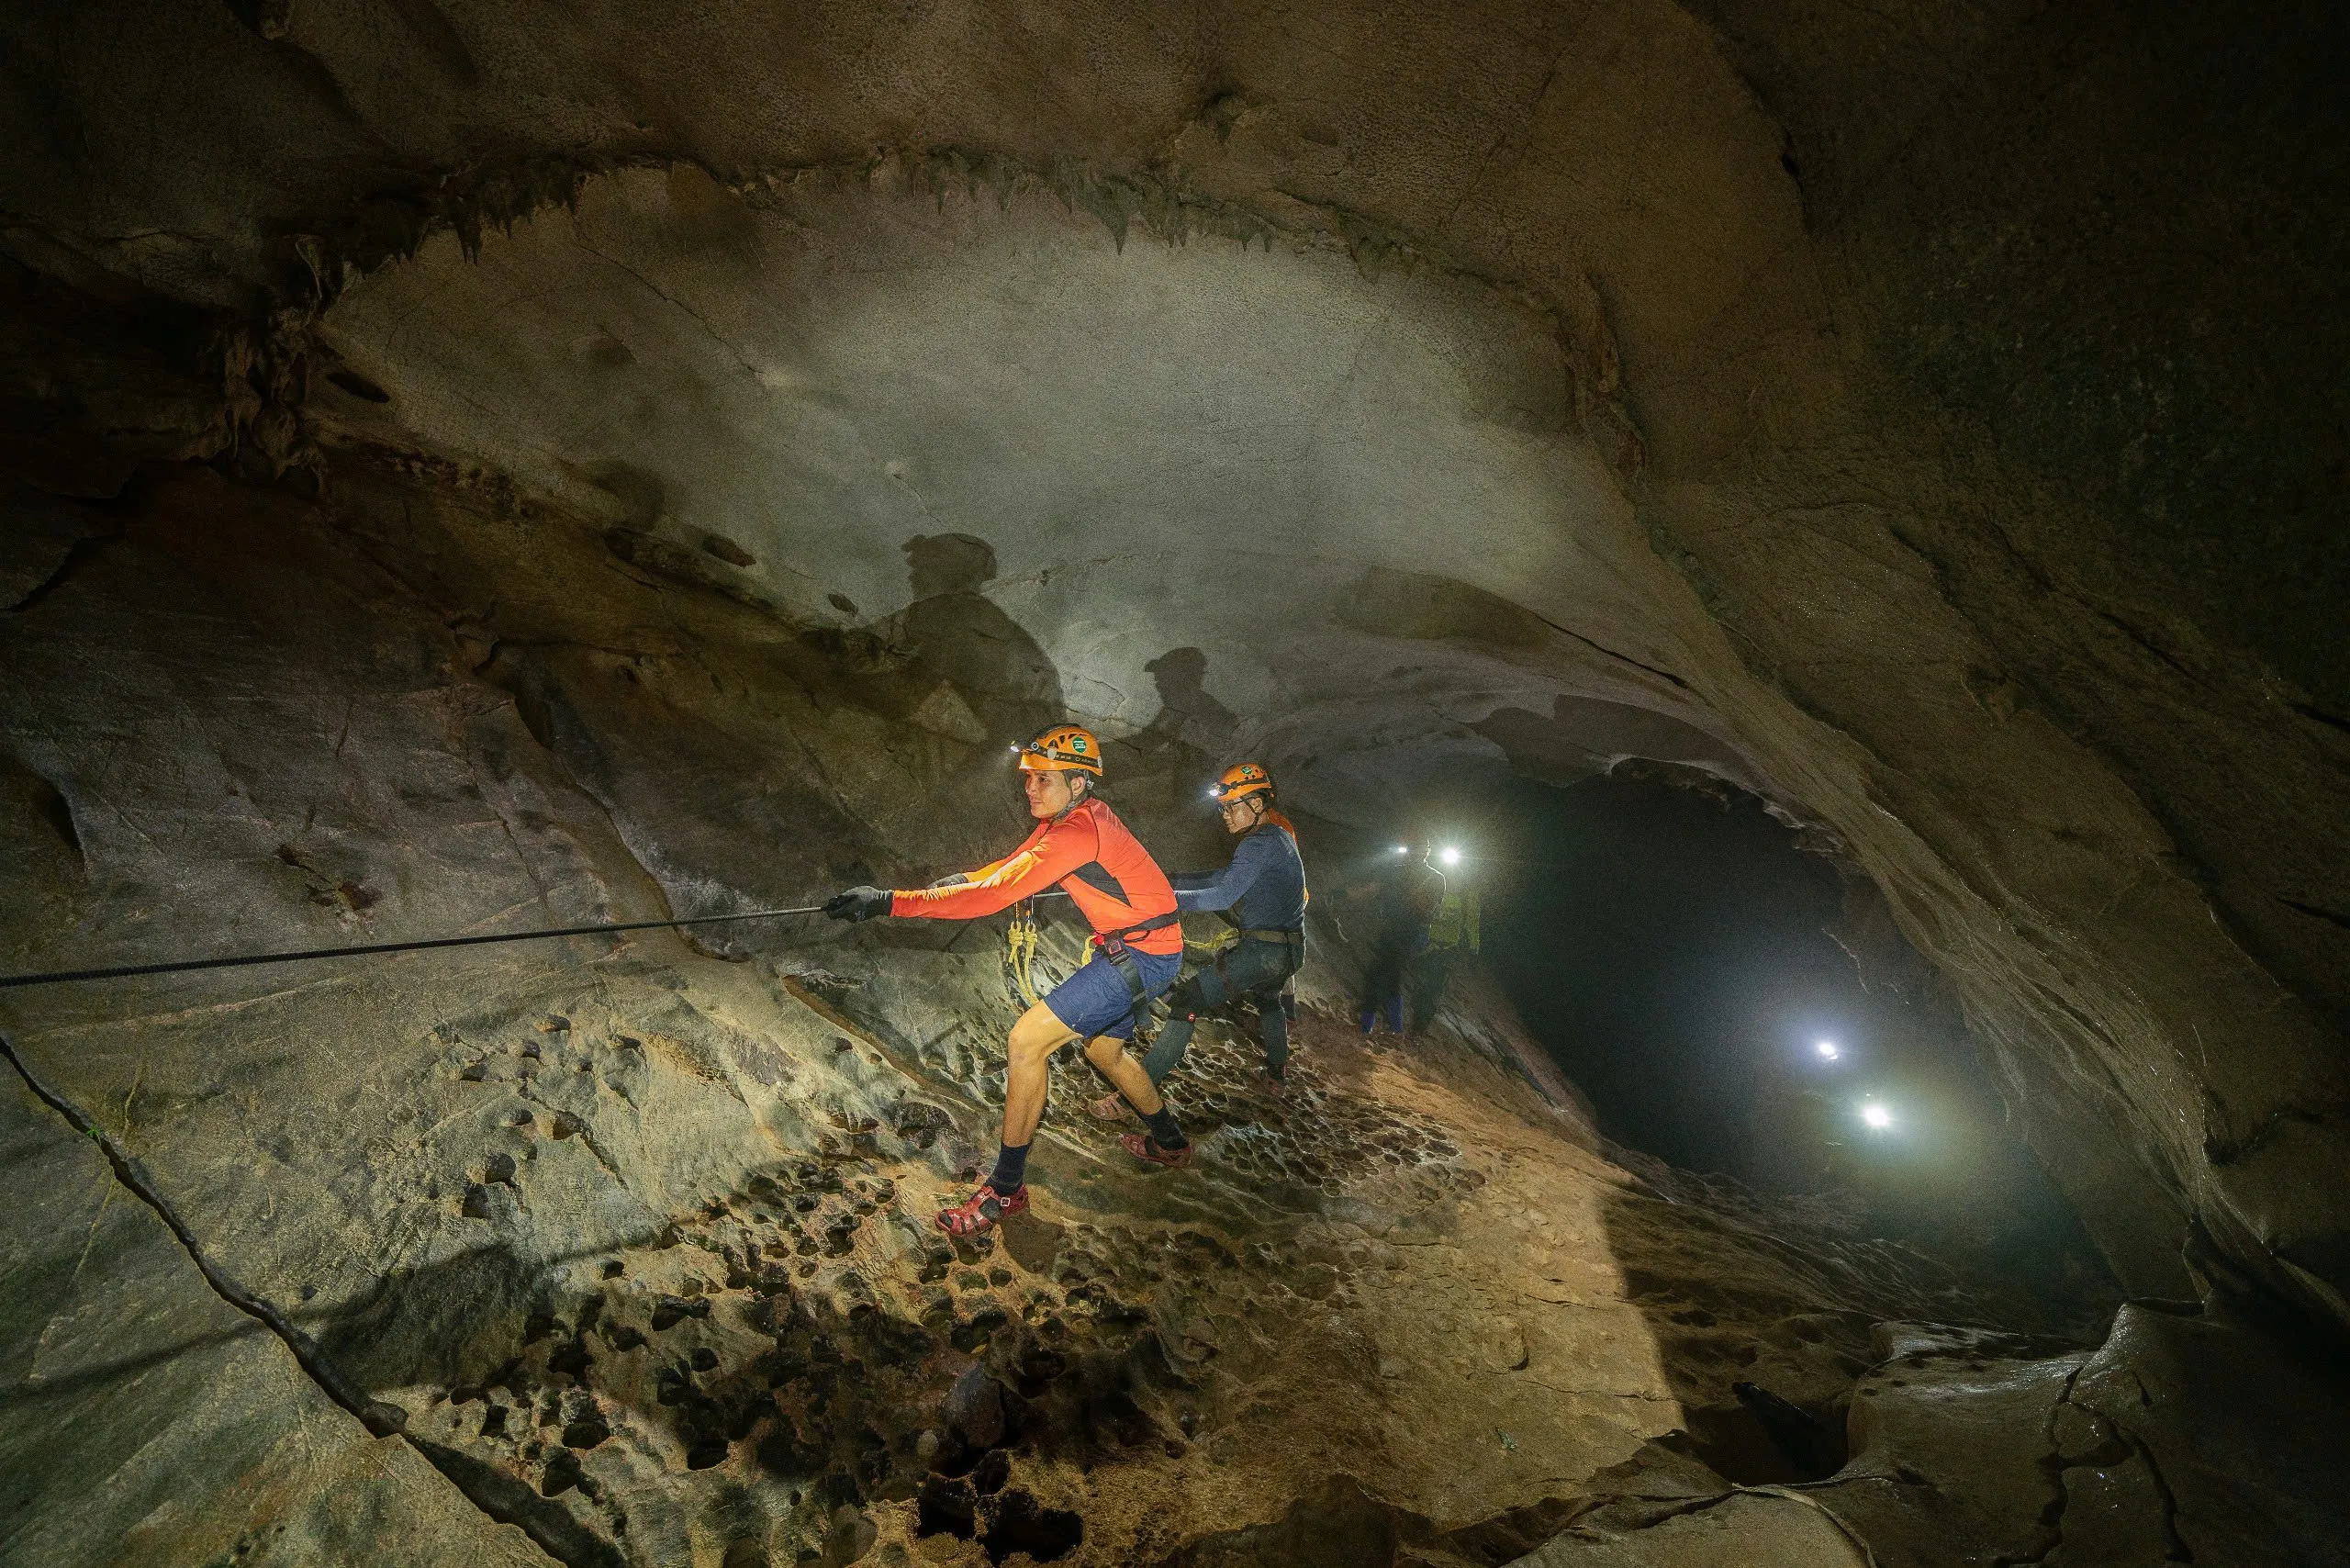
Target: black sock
[[1163, 1130], [1010, 1168]]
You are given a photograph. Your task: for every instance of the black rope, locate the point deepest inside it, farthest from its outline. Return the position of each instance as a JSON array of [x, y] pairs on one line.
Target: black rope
[[247, 959]]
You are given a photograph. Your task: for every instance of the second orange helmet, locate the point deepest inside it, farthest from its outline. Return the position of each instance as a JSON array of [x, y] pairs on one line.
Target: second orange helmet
[[1241, 781]]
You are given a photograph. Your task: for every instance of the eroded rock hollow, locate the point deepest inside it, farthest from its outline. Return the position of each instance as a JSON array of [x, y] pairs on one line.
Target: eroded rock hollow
[[484, 469]]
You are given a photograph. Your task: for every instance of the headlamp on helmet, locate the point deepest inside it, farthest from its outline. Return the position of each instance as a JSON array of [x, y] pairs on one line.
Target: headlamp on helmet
[[1063, 748], [1241, 781]]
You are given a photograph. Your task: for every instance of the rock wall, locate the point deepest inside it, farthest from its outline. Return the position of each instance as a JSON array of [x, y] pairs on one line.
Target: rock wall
[[473, 469], [1969, 370], [617, 1251]]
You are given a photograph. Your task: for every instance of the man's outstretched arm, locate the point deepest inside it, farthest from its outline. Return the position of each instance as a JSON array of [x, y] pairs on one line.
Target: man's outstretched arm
[[1214, 890], [1034, 868]]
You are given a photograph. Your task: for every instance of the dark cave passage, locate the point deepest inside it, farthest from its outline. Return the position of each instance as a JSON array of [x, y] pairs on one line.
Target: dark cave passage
[[1671, 950], [1736, 1004]]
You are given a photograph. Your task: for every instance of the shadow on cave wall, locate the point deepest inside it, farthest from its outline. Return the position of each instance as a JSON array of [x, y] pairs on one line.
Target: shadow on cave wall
[[961, 642], [1189, 715], [975, 678], [1158, 776]]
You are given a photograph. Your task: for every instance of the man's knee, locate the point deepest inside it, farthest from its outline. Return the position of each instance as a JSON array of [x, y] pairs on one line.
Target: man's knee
[[1104, 1049], [1036, 1035]]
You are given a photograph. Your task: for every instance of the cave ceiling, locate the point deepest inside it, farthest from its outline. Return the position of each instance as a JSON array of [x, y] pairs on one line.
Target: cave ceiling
[[1230, 479]]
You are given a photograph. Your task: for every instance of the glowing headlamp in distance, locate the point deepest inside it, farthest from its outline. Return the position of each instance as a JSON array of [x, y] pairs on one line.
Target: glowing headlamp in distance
[[1875, 1117], [1828, 1051], [1449, 854]]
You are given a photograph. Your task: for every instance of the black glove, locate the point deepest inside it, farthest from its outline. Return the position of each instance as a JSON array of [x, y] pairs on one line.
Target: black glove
[[860, 903]]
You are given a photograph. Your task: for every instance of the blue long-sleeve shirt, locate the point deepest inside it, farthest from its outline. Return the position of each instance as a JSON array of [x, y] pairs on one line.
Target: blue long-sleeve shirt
[[1264, 886]]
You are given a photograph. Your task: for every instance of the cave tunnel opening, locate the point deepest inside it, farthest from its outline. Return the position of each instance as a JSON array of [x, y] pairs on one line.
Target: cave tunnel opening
[[1735, 999]]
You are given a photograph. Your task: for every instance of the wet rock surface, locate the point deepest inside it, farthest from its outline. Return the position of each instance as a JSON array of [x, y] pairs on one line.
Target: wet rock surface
[[696, 1333], [619, 1250], [1926, 416]]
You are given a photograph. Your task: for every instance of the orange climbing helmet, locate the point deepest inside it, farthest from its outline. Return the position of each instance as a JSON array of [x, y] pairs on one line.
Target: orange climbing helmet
[[1060, 749], [1240, 781]]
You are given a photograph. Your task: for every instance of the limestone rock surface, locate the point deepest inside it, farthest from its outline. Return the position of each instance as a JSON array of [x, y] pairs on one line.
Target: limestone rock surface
[[1893, 412], [464, 468]]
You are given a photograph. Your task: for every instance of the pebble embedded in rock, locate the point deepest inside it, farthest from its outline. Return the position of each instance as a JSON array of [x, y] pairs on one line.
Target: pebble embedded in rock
[[974, 1407], [670, 1311], [585, 1432]]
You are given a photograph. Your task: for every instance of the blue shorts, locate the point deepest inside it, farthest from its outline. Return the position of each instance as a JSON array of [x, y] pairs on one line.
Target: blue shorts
[[1097, 1000]]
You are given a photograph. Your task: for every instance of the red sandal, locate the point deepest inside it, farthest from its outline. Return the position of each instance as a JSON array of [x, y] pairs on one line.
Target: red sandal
[[1143, 1146], [983, 1210], [1111, 1107]]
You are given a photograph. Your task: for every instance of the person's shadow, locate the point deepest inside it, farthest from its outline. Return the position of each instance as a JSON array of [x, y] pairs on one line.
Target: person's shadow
[[1187, 715], [959, 639], [1163, 767]]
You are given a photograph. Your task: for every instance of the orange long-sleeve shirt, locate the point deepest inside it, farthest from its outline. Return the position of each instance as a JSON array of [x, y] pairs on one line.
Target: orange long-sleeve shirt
[[1090, 853]]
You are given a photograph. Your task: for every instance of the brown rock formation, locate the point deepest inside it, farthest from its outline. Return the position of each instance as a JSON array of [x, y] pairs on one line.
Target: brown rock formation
[[477, 468]]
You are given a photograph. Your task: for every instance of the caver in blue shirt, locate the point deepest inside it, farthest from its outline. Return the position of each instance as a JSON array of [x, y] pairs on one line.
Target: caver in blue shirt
[[1264, 887], [1264, 890]]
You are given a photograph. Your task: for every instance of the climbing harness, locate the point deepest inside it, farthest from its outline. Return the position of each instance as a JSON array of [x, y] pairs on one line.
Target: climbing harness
[[1112, 946], [1222, 948], [1291, 943], [244, 960]]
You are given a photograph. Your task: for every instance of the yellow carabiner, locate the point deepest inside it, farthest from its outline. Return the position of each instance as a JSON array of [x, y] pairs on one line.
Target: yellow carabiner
[[1022, 940]]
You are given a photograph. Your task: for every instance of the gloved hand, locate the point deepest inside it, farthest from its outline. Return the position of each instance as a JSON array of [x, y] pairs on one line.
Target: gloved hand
[[860, 903]]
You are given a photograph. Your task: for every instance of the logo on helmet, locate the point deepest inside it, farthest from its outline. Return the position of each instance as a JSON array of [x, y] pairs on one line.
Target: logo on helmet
[[1240, 781], [1061, 747]]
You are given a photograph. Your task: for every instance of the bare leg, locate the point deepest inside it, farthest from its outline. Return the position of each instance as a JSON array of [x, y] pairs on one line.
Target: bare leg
[[1027, 1071], [1109, 1053]]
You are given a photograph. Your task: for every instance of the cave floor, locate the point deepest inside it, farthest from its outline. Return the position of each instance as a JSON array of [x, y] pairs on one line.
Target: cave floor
[[638, 1250]]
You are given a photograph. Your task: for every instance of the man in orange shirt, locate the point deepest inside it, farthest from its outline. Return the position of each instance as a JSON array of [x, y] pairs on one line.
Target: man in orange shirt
[[1080, 844]]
